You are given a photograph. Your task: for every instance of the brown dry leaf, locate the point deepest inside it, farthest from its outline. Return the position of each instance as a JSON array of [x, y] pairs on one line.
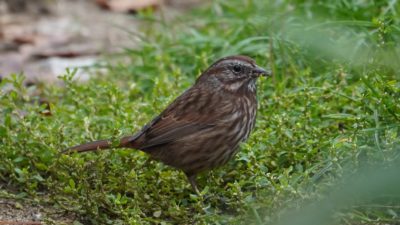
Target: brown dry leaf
[[128, 5], [19, 34], [66, 50], [9, 222], [24, 39]]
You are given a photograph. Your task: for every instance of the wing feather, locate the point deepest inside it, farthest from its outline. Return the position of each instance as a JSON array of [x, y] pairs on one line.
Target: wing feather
[[187, 115]]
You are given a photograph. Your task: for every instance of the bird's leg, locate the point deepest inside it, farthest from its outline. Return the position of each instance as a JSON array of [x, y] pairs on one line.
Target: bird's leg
[[192, 181]]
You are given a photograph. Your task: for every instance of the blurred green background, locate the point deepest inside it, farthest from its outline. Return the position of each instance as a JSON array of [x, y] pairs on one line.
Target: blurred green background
[[328, 116]]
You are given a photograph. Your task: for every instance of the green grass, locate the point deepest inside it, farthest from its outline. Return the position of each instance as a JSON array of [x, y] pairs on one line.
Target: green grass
[[332, 106]]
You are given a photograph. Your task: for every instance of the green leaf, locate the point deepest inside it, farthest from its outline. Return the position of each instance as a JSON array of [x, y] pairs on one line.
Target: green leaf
[[71, 183]]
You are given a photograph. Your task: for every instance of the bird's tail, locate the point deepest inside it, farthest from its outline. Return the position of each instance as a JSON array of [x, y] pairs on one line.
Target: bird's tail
[[97, 145], [87, 147]]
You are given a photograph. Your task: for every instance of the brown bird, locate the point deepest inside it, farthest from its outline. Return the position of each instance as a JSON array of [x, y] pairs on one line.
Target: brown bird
[[203, 127]]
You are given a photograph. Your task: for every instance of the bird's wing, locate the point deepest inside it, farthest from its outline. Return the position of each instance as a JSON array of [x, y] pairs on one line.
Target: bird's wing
[[188, 114], [168, 129]]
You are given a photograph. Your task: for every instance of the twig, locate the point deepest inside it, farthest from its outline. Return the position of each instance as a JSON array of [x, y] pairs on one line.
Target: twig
[[5, 222]]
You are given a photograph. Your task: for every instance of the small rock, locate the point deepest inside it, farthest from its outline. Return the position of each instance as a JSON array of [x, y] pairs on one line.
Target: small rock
[[157, 213], [47, 70], [37, 216]]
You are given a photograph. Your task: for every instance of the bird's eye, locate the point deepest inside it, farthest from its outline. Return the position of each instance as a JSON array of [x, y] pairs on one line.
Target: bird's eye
[[237, 68]]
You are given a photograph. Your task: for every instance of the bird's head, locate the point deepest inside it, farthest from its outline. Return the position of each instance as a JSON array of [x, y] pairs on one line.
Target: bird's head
[[233, 73]]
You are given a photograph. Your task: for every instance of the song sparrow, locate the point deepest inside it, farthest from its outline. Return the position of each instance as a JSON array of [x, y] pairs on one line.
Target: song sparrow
[[203, 127]]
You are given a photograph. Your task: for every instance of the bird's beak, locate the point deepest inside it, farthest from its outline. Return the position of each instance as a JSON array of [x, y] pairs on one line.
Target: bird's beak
[[259, 71]]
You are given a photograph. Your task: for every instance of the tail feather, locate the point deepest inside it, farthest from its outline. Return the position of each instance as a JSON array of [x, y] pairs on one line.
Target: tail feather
[[127, 142], [91, 146]]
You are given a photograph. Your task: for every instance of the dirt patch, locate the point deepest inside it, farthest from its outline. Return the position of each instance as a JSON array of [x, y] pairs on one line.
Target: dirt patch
[[24, 212], [72, 34]]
